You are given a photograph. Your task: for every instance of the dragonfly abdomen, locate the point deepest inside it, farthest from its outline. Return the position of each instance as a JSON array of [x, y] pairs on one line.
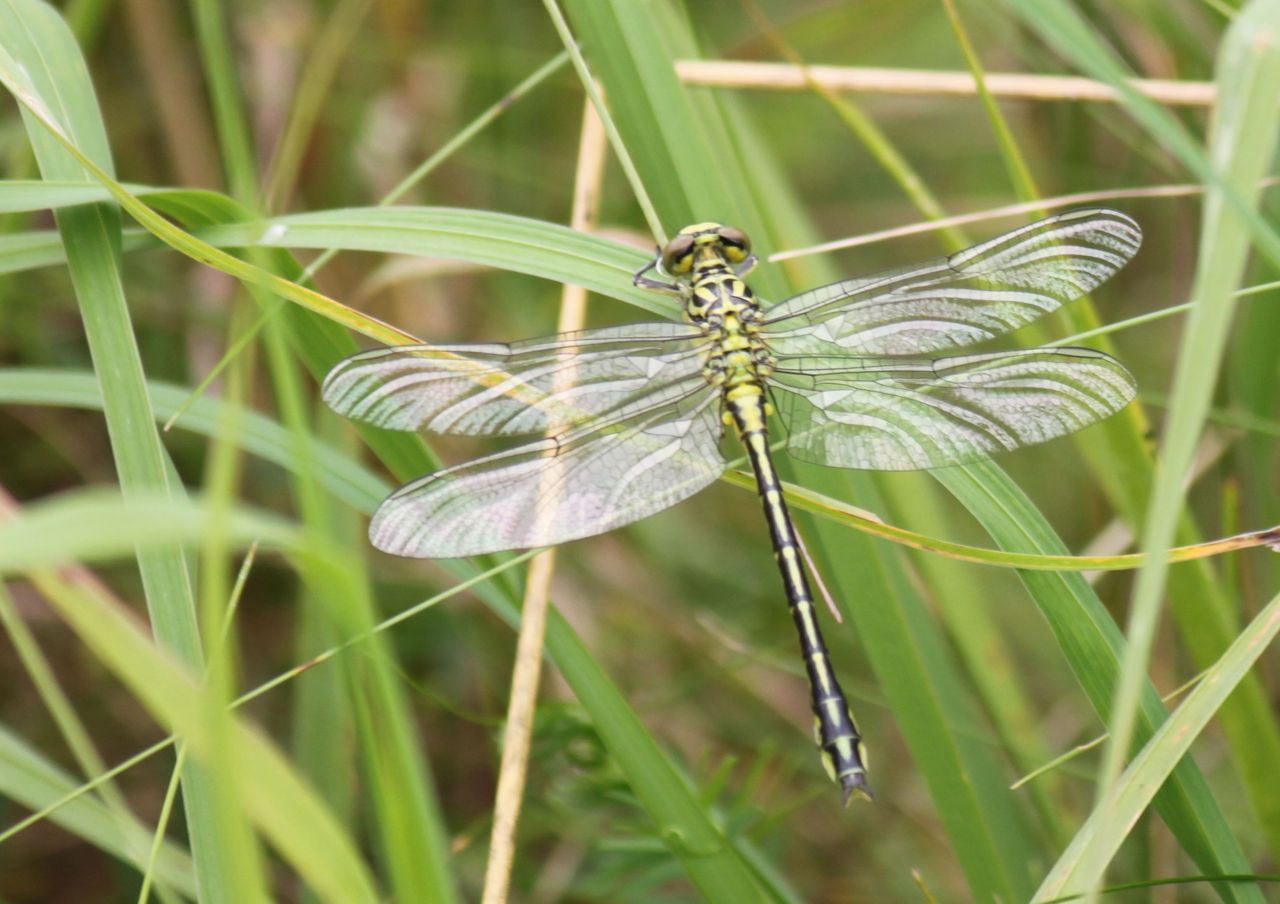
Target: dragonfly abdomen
[[837, 736]]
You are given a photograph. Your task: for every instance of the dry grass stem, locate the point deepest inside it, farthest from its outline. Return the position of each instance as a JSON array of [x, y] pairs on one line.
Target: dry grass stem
[[518, 733], [994, 213], [786, 77]]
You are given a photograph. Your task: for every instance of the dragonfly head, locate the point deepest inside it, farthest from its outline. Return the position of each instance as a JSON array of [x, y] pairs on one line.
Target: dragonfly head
[[704, 242]]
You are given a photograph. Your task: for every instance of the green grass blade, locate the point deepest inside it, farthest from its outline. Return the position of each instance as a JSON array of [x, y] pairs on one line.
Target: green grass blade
[[1014, 161], [512, 243], [1093, 645], [710, 860], [410, 829], [85, 519], [1062, 27], [33, 38], [1203, 609], [1242, 152], [241, 878], [26, 195], [94, 526], [231, 120], [259, 436], [411, 832], [30, 779], [78, 738], [1084, 863]]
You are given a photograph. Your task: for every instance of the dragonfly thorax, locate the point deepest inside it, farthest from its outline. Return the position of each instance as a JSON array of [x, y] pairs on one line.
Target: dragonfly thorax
[[708, 262], [728, 311]]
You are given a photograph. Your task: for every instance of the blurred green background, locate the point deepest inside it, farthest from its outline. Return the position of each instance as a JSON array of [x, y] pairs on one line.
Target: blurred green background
[[372, 775]]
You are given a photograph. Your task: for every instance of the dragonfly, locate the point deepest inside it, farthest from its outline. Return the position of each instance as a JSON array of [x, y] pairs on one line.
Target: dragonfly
[[630, 419]]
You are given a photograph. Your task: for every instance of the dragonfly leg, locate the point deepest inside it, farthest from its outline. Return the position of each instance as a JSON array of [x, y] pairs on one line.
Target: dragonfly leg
[[746, 266], [654, 285]]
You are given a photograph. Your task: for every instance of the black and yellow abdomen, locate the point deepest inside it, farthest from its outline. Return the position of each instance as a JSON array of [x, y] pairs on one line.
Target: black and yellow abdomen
[[836, 734]]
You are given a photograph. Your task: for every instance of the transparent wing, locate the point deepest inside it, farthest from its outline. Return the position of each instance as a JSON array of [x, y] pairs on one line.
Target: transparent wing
[[899, 415], [591, 479], [522, 388], [969, 297]]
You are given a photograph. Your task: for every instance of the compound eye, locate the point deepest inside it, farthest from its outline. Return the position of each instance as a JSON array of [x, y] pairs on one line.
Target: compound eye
[[677, 257], [736, 244]]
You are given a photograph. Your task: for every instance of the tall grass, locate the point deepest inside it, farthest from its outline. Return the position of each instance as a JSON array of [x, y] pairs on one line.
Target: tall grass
[[221, 692]]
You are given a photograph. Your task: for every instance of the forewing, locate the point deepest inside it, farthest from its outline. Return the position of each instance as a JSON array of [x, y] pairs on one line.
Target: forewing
[[900, 415], [522, 388], [972, 296], [593, 479]]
